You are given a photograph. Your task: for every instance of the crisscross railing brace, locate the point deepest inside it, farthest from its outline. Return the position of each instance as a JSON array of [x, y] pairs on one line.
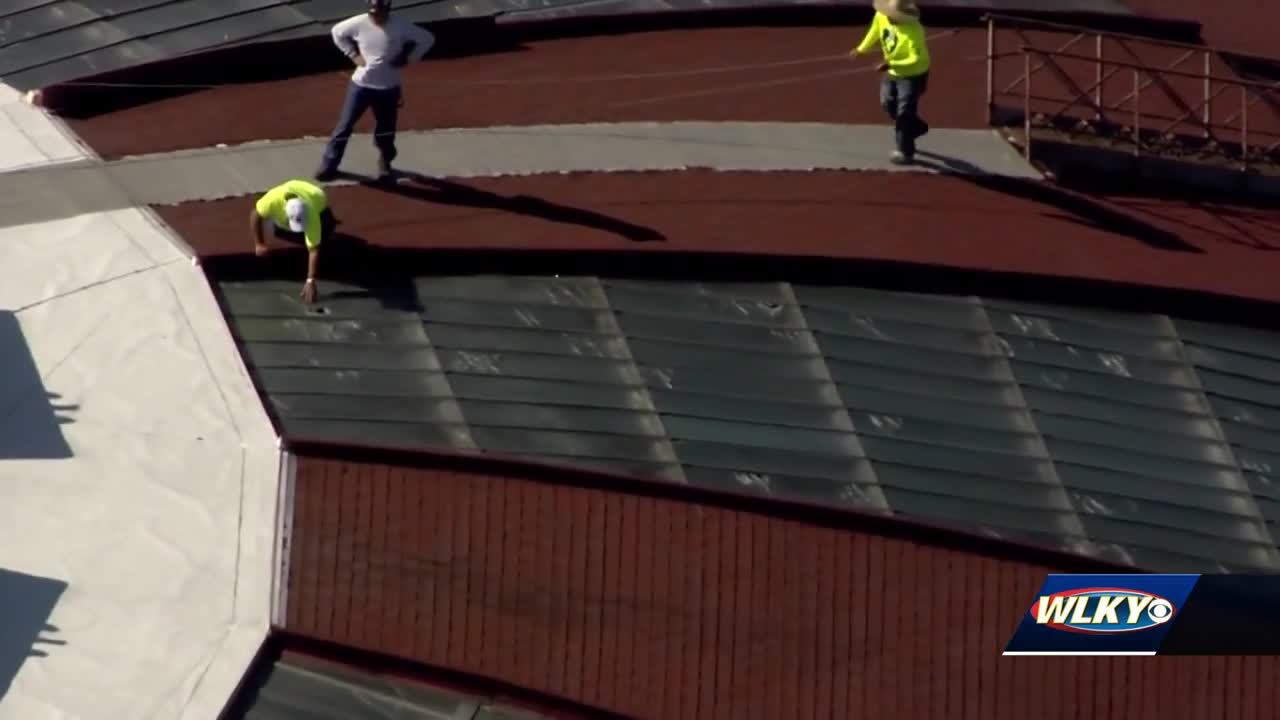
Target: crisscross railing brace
[[1064, 78], [1043, 63], [1257, 98], [1190, 113], [1174, 97], [1265, 97], [1097, 84]]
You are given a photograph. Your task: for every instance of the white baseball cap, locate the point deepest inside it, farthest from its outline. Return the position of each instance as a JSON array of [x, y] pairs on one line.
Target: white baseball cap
[[296, 211]]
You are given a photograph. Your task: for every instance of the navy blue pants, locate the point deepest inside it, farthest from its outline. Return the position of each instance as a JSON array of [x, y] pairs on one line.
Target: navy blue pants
[[900, 98], [385, 105]]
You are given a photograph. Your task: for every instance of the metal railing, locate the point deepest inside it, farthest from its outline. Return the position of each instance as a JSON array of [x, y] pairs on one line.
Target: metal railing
[[1146, 98]]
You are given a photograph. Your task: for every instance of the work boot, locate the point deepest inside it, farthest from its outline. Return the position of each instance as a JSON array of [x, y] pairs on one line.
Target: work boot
[[325, 174], [922, 129], [384, 169], [900, 158]]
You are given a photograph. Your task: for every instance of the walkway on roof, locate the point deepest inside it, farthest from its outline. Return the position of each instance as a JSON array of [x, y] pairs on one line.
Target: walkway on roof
[[215, 173], [137, 467]]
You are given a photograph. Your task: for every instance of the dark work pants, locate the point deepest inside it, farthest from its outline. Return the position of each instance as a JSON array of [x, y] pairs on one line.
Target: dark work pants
[[900, 98], [385, 105]]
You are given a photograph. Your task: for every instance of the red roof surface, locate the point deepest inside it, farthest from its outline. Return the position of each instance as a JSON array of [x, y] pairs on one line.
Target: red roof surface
[[1246, 26], [782, 74], [658, 607], [960, 222]]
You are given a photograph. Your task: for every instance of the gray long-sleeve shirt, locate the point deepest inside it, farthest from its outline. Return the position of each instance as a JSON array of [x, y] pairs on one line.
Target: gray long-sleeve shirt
[[379, 45]]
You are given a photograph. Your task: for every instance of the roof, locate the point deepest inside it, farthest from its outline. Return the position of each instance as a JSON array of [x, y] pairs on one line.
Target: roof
[[301, 687], [138, 467], [886, 222], [42, 194], [48, 43], [1138, 438], [198, 508], [646, 76], [655, 605]]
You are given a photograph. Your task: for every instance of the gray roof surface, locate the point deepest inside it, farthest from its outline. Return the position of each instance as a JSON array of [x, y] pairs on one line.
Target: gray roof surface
[[51, 193], [1138, 438]]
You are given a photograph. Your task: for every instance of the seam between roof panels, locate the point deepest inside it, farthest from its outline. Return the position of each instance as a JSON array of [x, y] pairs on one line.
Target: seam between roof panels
[[1006, 368], [1216, 423]]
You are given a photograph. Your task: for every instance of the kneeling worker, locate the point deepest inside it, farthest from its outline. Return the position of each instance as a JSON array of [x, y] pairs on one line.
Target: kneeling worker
[[300, 212]]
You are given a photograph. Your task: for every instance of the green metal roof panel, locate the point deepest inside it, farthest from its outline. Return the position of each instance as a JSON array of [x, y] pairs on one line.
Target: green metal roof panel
[[297, 687], [1142, 439]]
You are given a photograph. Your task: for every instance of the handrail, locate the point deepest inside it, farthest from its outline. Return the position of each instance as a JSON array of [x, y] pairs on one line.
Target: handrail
[[1048, 52], [1016, 20], [1079, 93]]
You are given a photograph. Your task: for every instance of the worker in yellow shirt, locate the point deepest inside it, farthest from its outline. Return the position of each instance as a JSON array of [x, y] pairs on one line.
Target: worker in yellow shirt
[[896, 27], [300, 212]]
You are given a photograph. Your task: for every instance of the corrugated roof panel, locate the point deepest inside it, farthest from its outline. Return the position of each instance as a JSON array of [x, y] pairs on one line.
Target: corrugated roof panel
[[541, 370], [297, 687], [746, 350], [70, 40], [1240, 371], [1143, 353], [47, 43], [1134, 437], [939, 457]]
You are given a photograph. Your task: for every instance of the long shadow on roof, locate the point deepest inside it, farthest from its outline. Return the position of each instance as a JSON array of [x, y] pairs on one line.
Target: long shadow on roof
[[1070, 206], [448, 192], [367, 271], [24, 625], [32, 415]]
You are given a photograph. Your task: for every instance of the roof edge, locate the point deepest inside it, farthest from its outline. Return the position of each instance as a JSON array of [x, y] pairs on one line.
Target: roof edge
[[485, 688], [1188, 303], [909, 529]]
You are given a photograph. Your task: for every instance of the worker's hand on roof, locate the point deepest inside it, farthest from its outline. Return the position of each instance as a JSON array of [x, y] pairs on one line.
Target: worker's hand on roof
[[309, 292], [259, 249]]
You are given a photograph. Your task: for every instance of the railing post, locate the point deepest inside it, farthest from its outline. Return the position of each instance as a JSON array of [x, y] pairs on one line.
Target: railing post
[[1026, 104], [1208, 93], [1098, 74], [1137, 112], [1244, 128], [991, 70]]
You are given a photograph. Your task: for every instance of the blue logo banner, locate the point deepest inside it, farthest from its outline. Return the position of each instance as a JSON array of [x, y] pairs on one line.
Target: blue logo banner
[[1100, 615]]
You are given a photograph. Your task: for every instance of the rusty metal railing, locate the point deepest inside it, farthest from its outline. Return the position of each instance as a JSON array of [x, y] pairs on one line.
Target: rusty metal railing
[[1164, 107]]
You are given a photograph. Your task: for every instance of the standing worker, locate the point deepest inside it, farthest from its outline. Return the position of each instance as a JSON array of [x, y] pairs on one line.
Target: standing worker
[[896, 26], [380, 44], [300, 212]]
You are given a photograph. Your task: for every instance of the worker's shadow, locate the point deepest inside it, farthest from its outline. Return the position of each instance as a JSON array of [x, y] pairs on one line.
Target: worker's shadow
[[428, 189], [1070, 206], [350, 268]]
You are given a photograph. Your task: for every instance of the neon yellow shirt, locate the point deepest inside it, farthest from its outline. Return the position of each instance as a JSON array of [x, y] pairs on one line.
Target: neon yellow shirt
[[271, 205], [903, 44]]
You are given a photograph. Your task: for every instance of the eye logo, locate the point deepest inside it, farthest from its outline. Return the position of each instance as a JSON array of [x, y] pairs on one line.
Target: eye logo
[[1102, 610]]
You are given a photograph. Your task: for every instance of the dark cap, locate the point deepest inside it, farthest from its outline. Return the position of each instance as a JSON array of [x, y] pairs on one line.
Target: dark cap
[[379, 4]]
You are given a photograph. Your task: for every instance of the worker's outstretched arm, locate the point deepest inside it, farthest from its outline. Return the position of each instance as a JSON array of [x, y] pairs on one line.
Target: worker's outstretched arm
[[255, 229], [870, 39]]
